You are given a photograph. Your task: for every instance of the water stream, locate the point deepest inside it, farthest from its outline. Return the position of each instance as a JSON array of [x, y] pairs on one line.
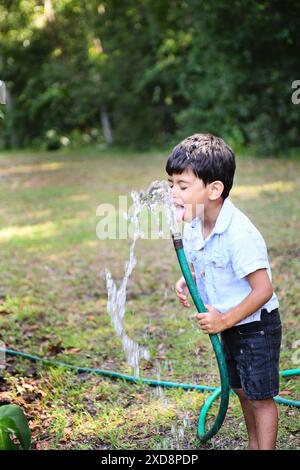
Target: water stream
[[158, 194]]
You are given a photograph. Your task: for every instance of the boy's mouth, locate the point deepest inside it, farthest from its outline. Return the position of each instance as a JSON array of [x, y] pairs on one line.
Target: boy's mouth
[[179, 212]]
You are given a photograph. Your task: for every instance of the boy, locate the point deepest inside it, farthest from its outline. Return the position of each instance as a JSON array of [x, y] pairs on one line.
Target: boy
[[230, 265]]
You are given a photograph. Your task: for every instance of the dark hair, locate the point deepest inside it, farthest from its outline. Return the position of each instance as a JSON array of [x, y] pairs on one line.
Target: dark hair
[[208, 156]]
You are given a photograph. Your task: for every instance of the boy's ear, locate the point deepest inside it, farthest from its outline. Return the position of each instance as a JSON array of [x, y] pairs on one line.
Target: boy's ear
[[215, 190]]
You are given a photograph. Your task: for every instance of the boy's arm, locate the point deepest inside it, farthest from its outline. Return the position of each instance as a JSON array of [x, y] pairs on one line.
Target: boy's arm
[[262, 290]]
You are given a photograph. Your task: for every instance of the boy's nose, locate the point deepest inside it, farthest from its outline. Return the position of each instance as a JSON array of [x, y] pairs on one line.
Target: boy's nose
[[174, 192]]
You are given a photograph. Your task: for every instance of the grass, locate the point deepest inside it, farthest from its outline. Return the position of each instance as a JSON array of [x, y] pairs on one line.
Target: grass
[[53, 302]]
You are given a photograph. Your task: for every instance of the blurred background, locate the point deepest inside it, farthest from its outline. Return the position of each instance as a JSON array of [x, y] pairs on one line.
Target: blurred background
[[146, 73]]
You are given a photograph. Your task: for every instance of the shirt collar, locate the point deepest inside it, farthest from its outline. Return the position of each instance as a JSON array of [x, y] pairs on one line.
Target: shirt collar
[[222, 222], [224, 217]]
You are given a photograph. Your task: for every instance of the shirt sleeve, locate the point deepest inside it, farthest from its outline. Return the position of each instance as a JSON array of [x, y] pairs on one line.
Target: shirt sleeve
[[249, 253]]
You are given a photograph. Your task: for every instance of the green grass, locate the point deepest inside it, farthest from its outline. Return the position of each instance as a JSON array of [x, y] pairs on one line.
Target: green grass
[[53, 302]]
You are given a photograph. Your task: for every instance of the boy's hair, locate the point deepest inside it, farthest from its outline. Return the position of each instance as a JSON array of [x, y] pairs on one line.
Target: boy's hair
[[208, 156]]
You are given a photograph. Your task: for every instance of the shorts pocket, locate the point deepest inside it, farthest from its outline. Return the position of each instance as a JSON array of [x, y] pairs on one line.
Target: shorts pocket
[[252, 334], [256, 353]]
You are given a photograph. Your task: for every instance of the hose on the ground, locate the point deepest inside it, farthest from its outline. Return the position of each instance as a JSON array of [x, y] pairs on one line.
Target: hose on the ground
[[157, 383]]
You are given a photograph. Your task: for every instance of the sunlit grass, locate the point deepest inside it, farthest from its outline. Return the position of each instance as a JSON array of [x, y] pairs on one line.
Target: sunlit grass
[[47, 229], [31, 169], [251, 191]]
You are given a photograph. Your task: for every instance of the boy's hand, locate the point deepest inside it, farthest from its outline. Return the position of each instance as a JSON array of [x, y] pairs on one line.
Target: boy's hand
[[210, 322], [182, 291]]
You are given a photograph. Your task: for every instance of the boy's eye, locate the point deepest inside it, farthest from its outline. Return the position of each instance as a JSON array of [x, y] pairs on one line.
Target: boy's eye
[[182, 189]]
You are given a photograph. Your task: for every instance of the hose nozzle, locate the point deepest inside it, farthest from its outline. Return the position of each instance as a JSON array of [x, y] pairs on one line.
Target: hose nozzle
[[177, 240]]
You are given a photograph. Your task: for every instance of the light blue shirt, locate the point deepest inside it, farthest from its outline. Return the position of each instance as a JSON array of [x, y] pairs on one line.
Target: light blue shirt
[[234, 249]]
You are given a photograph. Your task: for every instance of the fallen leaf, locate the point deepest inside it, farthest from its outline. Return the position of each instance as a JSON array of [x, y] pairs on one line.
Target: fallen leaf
[[152, 328], [67, 434], [43, 445], [5, 396], [72, 350]]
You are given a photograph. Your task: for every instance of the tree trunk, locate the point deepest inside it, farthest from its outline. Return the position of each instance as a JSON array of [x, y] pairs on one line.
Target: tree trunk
[[106, 127], [2, 92], [49, 11], [12, 134]]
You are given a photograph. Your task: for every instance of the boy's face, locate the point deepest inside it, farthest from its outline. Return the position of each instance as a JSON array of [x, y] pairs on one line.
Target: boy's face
[[190, 195]]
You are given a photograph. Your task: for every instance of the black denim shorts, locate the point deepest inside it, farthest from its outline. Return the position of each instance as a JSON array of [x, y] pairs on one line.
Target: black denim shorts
[[252, 355]]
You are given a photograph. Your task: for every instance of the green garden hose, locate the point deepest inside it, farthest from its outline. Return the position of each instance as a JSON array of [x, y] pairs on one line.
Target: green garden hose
[[225, 389]]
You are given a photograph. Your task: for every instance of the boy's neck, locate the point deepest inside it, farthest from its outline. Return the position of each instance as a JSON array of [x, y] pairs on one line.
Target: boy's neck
[[211, 213]]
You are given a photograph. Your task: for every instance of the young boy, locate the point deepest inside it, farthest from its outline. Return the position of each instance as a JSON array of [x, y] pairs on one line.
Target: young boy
[[230, 265]]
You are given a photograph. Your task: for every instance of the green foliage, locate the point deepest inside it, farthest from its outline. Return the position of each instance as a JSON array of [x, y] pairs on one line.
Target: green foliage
[[13, 422], [158, 68]]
